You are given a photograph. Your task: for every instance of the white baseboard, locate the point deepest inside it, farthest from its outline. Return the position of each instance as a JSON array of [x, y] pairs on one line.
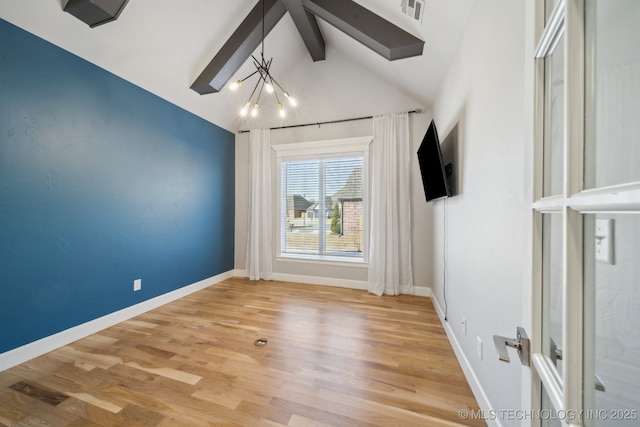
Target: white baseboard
[[472, 379], [325, 281], [37, 348], [422, 291]]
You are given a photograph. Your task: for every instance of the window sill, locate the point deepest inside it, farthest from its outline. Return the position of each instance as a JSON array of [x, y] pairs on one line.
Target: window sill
[[324, 260]]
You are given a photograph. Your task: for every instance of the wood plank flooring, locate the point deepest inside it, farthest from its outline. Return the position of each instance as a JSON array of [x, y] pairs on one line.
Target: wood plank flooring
[[335, 357]]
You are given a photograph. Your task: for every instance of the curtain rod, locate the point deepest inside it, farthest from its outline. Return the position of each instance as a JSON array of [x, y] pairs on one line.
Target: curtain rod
[[417, 111]]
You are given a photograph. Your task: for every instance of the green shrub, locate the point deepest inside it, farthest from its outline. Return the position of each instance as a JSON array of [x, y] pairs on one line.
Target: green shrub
[[336, 228]]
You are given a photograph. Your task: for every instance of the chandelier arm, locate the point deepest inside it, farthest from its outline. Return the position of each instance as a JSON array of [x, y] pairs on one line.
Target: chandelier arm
[[256, 63], [260, 93], [263, 28], [261, 80], [275, 92], [277, 84], [263, 75], [263, 69], [249, 76], [254, 91]]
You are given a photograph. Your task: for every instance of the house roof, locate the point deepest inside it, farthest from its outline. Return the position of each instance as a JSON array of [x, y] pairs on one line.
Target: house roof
[[352, 188], [297, 202], [328, 203]]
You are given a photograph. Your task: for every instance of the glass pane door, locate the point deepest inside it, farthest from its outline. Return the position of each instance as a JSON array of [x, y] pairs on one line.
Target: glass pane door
[[587, 305], [612, 154], [550, 302], [612, 239], [612, 260], [552, 294], [554, 124]]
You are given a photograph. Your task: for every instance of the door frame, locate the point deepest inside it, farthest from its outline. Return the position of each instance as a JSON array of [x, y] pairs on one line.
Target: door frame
[[566, 391]]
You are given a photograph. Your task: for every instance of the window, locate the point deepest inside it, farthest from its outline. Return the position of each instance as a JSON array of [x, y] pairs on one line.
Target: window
[[323, 204]]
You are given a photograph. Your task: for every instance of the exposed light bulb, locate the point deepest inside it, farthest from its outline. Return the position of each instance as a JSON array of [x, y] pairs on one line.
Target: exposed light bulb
[[265, 83], [269, 87], [291, 99], [245, 110]]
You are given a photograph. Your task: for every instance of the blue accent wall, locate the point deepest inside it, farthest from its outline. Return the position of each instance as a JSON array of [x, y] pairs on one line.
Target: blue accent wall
[[101, 183]]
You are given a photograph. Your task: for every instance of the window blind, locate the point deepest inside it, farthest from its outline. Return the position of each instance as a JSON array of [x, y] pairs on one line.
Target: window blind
[[322, 206]]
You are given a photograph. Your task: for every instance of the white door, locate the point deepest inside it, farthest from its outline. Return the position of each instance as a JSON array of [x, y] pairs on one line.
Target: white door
[[585, 337]]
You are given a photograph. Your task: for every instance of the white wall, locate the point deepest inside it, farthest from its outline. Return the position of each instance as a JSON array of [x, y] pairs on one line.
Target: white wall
[[351, 276], [342, 80], [341, 83], [488, 224]]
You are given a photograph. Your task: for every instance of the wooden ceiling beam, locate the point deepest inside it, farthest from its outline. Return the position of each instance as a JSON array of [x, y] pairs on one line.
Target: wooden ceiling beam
[[376, 33], [239, 47], [308, 28], [95, 12]]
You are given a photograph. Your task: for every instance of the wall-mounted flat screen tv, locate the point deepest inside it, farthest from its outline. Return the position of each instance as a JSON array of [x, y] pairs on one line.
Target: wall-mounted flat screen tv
[[432, 168]]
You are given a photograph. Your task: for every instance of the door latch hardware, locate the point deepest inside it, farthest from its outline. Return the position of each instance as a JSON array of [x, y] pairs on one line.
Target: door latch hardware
[[521, 343], [556, 354]]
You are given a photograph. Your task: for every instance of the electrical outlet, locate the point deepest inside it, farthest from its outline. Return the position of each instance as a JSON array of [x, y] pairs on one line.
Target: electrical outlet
[[137, 284], [464, 325], [479, 347]]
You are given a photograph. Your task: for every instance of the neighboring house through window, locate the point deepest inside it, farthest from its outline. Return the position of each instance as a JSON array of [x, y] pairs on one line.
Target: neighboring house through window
[[323, 204]]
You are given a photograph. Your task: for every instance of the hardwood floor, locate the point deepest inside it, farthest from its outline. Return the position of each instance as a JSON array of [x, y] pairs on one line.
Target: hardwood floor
[[338, 357]]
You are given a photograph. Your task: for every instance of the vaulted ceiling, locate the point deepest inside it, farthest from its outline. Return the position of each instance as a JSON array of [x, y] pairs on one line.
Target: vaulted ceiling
[[164, 46]]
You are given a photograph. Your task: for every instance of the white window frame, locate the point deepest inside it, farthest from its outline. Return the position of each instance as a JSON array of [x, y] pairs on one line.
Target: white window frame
[[318, 150]]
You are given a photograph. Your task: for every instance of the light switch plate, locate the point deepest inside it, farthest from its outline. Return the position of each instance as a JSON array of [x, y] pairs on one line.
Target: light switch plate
[[604, 240]]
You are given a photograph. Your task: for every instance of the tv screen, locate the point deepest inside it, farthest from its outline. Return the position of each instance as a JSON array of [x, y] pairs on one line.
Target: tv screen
[[432, 167]]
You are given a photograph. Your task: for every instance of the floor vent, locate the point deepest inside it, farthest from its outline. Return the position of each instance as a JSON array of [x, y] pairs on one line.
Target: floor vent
[[261, 342]]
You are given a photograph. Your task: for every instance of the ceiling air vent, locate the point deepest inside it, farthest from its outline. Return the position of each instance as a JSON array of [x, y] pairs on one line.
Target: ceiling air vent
[[95, 12], [413, 8]]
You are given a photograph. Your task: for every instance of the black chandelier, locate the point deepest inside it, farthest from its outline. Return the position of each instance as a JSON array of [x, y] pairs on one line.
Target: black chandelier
[[266, 82]]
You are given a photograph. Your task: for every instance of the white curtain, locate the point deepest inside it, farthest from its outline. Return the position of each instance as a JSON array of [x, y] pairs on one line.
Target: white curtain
[[390, 237], [259, 263]]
